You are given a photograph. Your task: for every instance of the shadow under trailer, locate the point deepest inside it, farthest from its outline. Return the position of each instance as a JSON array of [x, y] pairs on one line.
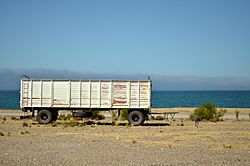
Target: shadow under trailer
[[82, 97]]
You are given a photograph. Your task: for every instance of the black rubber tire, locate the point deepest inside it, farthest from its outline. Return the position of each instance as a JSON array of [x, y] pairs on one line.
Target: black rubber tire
[[44, 116], [136, 118]]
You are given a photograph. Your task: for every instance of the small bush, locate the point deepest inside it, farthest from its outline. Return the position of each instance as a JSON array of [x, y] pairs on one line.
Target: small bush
[[4, 118], [100, 117], [13, 118], [227, 146], [53, 124], [61, 117], [73, 124], [128, 125], [82, 124], [159, 118], [97, 115], [237, 114], [113, 114], [68, 116], [25, 124], [64, 117], [208, 112], [1, 134], [25, 132], [124, 114], [180, 124]]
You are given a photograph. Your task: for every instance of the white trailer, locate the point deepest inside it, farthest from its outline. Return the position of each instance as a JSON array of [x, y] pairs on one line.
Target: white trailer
[[47, 97]]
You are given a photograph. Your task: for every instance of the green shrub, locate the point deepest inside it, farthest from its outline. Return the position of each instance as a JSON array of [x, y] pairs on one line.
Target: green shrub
[[97, 115], [25, 132], [25, 124], [64, 117], [124, 114], [180, 124], [208, 112], [128, 125], [134, 141], [54, 124], [113, 114], [227, 146], [151, 117], [237, 114], [68, 116], [61, 117], [73, 124], [159, 118]]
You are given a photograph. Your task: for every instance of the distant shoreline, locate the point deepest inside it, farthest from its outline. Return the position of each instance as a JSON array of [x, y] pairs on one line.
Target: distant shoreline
[[165, 99], [198, 90]]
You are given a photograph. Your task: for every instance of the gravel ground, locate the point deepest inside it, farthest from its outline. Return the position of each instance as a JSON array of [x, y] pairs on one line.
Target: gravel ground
[[155, 143]]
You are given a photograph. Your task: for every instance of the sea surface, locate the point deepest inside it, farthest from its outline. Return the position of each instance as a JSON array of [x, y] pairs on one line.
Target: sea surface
[[166, 99]]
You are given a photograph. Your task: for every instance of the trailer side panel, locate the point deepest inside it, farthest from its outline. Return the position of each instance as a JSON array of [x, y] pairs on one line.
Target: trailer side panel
[[85, 94]]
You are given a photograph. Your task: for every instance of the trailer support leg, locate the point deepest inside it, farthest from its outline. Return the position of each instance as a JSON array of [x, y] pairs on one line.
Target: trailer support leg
[[118, 113], [33, 112]]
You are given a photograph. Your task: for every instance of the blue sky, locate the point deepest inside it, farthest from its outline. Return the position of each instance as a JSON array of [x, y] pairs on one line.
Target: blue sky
[[205, 38]]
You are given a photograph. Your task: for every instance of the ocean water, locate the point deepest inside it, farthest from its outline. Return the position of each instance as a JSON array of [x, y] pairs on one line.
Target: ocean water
[[166, 99], [9, 99], [225, 99]]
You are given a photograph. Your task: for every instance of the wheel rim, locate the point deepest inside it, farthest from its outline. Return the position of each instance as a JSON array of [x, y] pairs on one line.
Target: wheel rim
[[44, 117], [135, 118]]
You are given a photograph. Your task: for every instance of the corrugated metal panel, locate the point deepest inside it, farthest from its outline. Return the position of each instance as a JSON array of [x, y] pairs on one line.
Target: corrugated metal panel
[[75, 93], [120, 94], [61, 93], [46, 93], [85, 93], [106, 94]]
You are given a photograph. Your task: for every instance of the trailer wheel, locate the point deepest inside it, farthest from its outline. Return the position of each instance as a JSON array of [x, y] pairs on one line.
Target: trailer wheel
[[44, 116], [136, 118]]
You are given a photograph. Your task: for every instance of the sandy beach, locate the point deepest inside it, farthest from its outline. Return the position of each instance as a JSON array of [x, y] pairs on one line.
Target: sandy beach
[[168, 142]]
